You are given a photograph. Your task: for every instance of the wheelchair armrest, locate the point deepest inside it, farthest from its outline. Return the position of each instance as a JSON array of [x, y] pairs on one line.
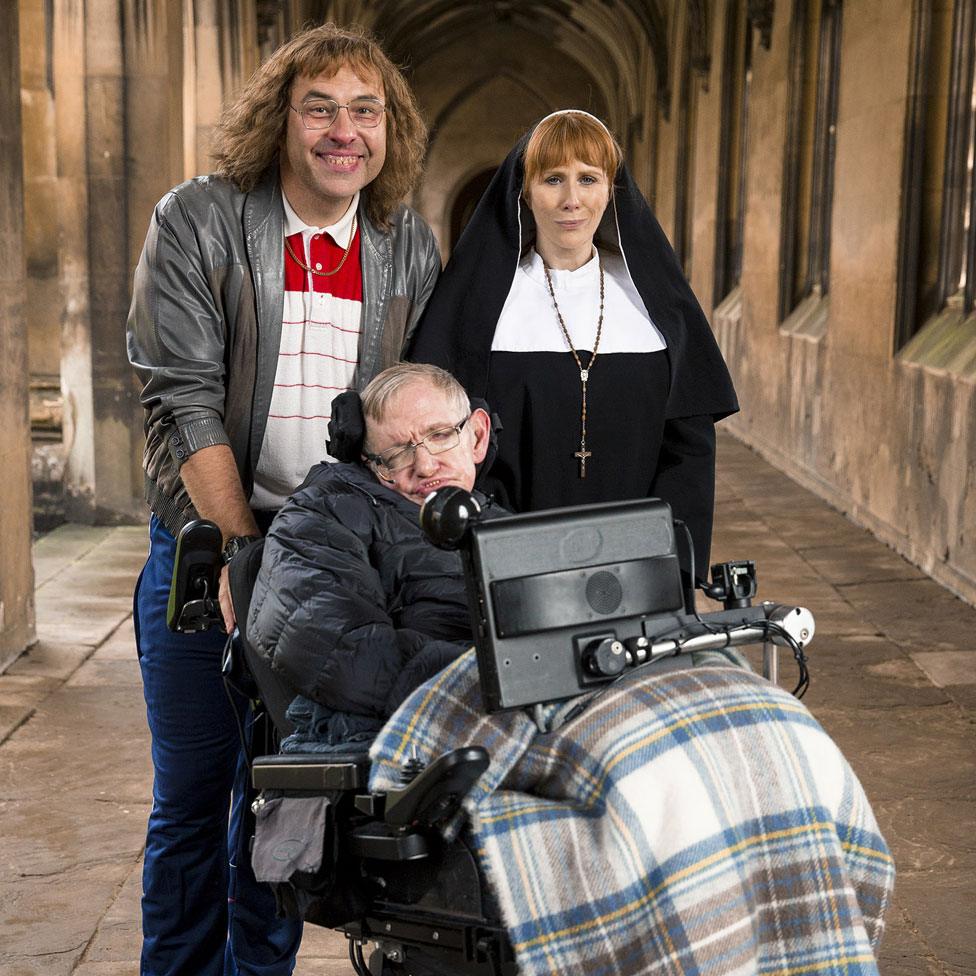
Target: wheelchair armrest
[[197, 563], [310, 772], [381, 842], [436, 793], [403, 820]]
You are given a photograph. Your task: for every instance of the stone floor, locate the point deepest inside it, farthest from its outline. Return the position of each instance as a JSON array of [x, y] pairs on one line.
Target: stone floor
[[894, 681]]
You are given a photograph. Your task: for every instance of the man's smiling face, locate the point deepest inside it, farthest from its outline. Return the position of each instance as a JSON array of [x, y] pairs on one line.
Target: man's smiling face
[[321, 169]]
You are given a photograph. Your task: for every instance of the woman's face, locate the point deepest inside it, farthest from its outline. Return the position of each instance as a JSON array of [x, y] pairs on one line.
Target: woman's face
[[567, 203]]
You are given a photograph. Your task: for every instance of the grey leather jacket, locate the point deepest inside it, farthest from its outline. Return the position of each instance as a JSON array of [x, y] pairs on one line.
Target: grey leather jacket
[[205, 322]]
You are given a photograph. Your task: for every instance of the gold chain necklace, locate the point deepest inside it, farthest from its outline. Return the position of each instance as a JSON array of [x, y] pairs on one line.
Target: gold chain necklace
[[582, 453], [335, 270]]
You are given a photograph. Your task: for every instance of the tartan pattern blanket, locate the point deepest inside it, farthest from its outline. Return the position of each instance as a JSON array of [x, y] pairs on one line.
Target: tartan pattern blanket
[[695, 822]]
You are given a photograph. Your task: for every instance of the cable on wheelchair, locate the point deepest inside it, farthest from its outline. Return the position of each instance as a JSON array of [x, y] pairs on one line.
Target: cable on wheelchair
[[691, 571], [801, 659], [769, 626], [229, 689], [356, 958]]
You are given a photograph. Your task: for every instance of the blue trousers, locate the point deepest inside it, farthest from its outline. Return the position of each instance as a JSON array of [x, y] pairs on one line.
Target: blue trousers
[[203, 913]]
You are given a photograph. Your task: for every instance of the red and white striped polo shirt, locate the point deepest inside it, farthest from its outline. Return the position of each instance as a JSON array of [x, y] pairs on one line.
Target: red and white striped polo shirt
[[318, 355]]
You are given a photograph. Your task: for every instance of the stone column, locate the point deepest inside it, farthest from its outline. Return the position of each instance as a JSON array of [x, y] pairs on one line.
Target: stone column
[[16, 570], [207, 94], [45, 305], [155, 76], [68, 65], [40, 194], [224, 54], [102, 418], [139, 85]]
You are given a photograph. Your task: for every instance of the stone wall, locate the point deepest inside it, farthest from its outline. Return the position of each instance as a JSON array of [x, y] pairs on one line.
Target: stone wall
[[886, 437]]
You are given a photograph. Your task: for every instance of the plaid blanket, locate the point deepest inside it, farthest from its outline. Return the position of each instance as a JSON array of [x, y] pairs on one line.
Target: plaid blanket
[[694, 822]]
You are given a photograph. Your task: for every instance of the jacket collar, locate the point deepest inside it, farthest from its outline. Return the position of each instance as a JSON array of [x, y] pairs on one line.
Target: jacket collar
[[361, 478], [378, 241], [264, 223]]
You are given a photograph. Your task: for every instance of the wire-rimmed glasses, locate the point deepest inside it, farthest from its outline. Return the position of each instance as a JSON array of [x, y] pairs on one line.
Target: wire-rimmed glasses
[[320, 113], [402, 456]]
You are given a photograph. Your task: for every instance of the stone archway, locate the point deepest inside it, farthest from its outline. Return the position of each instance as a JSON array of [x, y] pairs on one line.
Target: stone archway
[[466, 200], [477, 115], [469, 138]]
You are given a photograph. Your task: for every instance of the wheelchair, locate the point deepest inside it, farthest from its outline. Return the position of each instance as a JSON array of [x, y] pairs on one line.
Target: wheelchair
[[562, 603]]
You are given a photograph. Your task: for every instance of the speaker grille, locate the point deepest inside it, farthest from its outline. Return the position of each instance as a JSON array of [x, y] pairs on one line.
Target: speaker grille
[[604, 592]]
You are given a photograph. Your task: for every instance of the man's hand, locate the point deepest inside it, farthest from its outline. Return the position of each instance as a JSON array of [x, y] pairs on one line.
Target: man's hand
[[226, 601], [211, 478]]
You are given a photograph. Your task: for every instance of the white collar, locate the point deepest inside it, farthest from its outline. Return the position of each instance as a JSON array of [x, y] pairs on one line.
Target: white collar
[[340, 231], [581, 277]]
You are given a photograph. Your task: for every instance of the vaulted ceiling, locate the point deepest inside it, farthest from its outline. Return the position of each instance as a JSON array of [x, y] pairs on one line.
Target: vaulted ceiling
[[611, 38], [622, 45]]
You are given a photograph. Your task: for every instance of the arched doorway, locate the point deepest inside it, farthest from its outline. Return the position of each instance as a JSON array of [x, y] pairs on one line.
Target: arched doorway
[[466, 200]]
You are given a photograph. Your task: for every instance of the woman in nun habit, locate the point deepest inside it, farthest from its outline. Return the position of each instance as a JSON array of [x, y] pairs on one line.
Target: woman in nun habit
[[563, 305]]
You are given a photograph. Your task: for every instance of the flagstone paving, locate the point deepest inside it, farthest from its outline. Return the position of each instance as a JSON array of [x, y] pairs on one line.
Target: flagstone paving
[[894, 681]]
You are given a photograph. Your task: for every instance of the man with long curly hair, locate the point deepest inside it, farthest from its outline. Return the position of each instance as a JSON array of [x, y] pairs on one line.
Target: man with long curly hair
[[290, 275]]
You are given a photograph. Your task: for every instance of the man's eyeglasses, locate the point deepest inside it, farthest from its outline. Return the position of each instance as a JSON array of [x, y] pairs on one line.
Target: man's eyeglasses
[[320, 113], [403, 455]]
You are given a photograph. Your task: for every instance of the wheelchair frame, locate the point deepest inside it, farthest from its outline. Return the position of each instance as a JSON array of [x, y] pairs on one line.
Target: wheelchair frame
[[421, 902]]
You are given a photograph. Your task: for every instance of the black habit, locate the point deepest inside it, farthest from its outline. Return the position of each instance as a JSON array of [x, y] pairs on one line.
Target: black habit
[[650, 416]]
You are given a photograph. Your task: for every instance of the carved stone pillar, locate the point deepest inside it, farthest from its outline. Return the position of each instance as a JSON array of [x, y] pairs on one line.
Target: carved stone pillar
[[222, 58], [155, 74], [16, 570], [44, 306], [102, 418]]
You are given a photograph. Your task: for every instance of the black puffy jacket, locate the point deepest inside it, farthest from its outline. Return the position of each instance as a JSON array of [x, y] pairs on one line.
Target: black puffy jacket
[[352, 604]]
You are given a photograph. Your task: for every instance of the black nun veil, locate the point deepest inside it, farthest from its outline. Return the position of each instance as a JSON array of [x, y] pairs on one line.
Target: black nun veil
[[458, 325]]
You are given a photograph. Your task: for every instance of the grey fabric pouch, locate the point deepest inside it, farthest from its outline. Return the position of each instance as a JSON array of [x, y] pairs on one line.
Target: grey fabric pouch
[[289, 836]]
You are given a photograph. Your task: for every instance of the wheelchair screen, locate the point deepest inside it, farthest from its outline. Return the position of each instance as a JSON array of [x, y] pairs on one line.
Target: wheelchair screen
[[554, 594]]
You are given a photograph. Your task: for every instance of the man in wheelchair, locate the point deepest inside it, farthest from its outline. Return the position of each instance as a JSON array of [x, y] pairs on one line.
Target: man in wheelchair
[[616, 805], [352, 606]]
